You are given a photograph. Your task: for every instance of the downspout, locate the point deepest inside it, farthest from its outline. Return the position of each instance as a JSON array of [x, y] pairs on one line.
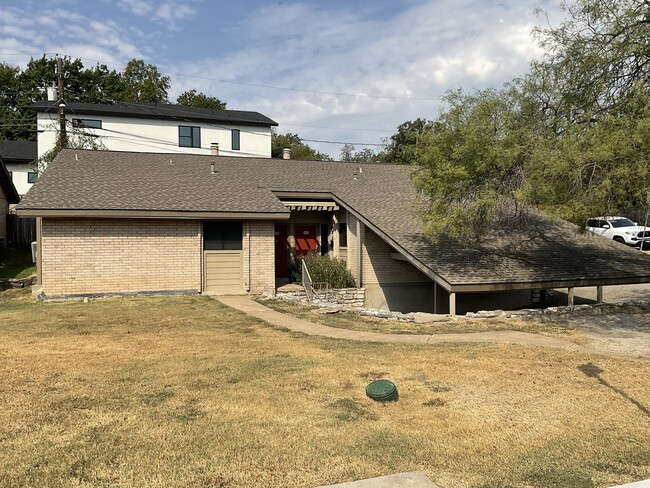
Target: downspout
[[248, 286]]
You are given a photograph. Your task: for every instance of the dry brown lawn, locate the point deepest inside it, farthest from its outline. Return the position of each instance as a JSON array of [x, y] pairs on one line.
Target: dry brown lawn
[[183, 392], [353, 321]]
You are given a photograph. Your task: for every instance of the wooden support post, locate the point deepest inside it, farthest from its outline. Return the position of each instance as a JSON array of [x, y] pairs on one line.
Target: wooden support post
[[435, 297], [599, 294], [359, 256], [452, 304], [571, 295]]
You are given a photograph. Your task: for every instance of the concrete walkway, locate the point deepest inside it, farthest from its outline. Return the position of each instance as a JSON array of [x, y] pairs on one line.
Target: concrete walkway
[[251, 307]]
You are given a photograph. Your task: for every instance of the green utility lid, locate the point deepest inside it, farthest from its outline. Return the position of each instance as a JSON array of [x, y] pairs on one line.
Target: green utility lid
[[382, 391]]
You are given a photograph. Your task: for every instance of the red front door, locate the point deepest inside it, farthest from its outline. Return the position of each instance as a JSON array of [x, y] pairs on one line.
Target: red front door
[[306, 240], [281, 251]]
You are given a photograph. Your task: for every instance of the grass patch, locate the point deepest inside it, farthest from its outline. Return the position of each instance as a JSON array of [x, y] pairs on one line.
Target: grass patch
[[16, 263], [353, 321], [184, 392]]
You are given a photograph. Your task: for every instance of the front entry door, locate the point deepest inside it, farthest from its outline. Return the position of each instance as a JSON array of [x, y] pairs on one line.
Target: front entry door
[[306, 240], [281, 251]]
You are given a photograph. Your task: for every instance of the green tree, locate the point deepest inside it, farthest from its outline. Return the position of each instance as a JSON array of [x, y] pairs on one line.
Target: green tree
[[366, 156], [143, 83], [299, 150], [402, 146], [572, 137], [191, 98], [20, 88], [470, 162]]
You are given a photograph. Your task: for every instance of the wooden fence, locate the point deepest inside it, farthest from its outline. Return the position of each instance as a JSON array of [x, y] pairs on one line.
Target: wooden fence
[[21, 231]]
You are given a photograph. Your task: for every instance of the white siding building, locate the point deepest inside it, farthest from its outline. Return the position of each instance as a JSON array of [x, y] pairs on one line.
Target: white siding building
[[20, 160], [161, 128]]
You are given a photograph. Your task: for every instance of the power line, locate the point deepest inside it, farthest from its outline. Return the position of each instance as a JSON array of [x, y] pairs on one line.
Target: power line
[[343, 143]]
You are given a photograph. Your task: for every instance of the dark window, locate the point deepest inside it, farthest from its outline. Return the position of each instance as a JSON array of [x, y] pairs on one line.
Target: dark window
[[324, 239], [222, 236], [235, 140], [592, 223], [189, 136], [343, 235], [88, 123], [32, 177]]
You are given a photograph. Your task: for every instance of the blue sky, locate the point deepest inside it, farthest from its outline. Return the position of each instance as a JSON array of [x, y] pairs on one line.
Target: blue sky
[[348, 71]]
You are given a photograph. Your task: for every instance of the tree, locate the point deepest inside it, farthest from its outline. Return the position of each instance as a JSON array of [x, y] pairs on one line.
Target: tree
[[470, 162], [143, 83], [402, 146], [365, 156], [299, 150], [572, 137], [20, 88], [200, 100]]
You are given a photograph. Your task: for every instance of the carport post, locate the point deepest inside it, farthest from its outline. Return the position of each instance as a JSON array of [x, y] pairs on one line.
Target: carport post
[[452, 304], [599, 294], [435, 297], [571, 295]]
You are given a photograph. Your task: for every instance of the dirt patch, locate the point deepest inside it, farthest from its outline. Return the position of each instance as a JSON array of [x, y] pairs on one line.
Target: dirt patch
[[626, 334]]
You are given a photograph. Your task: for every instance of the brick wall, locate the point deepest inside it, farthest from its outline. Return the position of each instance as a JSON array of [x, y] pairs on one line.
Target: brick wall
[[379, 267], [259, 277], [353, 240], [82, 256]]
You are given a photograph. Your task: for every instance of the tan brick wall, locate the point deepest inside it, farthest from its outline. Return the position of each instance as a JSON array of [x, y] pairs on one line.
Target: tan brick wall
[[259, 256], [379, 267], [120, 255], [353, 239]]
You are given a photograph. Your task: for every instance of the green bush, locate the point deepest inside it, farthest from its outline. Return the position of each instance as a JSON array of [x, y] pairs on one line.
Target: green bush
[[333, 272]]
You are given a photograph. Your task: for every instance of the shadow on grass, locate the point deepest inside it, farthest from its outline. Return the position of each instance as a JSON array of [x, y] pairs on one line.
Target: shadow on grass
[[593, 371]]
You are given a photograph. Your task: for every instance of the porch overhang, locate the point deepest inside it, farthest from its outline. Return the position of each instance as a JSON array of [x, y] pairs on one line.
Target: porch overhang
[[311, 206]]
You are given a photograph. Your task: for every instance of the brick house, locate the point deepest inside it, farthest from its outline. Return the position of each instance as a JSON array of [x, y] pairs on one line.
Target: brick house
[[124, 222]]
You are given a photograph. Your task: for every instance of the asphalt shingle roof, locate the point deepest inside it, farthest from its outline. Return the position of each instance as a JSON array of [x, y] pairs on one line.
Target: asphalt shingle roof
[[545, 251], [18, 151], [159, 111]]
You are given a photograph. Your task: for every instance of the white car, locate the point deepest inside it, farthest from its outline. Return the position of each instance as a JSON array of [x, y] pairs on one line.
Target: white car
[[620, 229]]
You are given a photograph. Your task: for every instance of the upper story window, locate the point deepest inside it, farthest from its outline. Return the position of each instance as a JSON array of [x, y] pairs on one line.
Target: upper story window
[[32, 177], [87, 123], [235, 140], [189, 136]]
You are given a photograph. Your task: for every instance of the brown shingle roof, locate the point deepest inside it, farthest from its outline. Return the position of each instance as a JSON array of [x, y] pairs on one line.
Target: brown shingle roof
[[545, 253]]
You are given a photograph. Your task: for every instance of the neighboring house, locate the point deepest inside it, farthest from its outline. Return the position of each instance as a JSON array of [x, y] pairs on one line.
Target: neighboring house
[[18, 157], [231, 225], [8, 195], [151, 127]]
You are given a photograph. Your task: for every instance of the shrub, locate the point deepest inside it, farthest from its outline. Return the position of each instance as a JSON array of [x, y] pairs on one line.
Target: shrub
[[331, 271]]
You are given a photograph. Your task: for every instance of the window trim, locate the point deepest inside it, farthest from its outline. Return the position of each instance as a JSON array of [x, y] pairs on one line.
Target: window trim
[[82, 123], [235, 139], [194, 137], [344, 225]]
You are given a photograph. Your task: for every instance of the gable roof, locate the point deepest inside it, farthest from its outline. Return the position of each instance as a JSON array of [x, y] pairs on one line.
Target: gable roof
[[7, 185], [546, 254], [18, 151], [159, 111]]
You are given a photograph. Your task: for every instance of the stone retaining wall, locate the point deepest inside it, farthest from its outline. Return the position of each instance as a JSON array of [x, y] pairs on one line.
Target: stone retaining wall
[[347, 297]]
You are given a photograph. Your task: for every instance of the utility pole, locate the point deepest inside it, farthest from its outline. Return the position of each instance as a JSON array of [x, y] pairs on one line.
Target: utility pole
[[63, 136]]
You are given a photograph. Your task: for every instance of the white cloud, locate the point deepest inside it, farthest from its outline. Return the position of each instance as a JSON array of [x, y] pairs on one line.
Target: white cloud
[[169, 13]]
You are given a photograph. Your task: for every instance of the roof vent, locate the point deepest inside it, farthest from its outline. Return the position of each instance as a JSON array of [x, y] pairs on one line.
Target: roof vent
[[214, 148], [355, 175], [286, 153], [213, 171]]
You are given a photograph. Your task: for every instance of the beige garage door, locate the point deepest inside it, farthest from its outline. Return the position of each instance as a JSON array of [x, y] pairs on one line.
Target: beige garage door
[[223, 271]]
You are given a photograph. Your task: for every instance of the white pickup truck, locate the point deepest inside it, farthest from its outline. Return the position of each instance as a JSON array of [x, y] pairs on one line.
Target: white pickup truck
[[620, 229]]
